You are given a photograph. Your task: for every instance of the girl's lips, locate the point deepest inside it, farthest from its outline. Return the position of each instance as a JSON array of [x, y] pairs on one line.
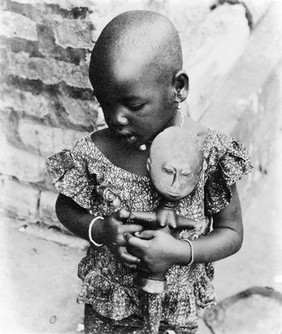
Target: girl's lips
[[123, 133], [128, 137], [131, 139]]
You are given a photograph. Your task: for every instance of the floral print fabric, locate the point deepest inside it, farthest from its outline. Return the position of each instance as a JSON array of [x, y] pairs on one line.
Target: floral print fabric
[[90, 179]]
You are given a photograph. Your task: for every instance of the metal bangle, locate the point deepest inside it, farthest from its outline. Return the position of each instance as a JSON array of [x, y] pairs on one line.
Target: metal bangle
[[90, 231], [192, 251]]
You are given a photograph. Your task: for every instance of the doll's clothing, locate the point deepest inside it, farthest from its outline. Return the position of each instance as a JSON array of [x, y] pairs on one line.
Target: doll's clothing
[[87, 176]]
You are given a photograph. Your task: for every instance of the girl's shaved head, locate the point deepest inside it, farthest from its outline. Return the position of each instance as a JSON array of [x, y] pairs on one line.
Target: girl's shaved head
[[142, 35]]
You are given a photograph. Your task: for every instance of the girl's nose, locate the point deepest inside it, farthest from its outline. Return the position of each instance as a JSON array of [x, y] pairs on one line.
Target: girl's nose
[[119, 118]]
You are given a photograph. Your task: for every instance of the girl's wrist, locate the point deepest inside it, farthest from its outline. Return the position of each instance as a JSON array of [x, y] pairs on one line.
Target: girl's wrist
[[191, 251], [185, 254], [95, 234]]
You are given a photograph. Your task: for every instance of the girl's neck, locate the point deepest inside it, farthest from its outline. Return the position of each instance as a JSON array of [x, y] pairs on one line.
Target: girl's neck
[[119, 154], [178, 120]]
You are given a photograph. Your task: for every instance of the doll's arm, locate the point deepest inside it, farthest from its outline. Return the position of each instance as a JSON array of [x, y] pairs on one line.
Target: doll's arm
[[161, 218]]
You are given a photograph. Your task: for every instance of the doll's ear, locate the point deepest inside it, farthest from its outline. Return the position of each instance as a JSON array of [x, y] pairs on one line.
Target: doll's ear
[[148, 165], [181, 86]]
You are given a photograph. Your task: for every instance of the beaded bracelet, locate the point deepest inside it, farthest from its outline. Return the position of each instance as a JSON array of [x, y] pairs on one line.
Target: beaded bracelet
[[192, 251], [90, 231]]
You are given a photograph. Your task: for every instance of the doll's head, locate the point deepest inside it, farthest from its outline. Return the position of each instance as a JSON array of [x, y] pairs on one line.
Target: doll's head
[[137, 77], [175, 163]]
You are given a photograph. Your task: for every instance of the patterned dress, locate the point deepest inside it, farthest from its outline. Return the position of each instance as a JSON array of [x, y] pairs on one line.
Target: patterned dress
[[114, 304]]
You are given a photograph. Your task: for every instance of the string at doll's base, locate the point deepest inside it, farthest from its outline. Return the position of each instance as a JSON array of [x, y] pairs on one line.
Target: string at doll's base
[[149, 285], [153, 313]]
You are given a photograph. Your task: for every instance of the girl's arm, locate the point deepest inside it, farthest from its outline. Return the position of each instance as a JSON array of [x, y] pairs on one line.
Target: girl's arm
[[158, 251], [227, 236], [75, 218], [108, 231]]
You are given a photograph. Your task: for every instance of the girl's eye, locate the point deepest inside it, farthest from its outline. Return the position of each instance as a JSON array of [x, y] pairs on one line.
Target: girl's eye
[[135, 107], [185, 174]]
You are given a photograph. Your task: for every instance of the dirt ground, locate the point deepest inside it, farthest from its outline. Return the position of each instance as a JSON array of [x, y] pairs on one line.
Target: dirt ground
[[39, 283]]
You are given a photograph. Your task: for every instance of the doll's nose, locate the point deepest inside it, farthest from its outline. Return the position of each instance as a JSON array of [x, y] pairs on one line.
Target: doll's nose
[[175, 181]]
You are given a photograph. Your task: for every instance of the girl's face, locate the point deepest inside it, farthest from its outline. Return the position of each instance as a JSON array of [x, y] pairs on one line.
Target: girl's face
[[137, 105]]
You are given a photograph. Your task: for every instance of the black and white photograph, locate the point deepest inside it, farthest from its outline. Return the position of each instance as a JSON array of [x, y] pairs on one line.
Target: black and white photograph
[[140, 166]]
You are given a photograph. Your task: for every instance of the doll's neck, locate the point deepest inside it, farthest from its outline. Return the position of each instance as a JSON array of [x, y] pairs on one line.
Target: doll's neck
[[166, 204]]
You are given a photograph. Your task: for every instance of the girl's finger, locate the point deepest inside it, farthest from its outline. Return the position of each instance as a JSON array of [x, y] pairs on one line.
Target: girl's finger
[[129, 259], [130, 266], [122, 214], [146, 234], [132, 228], [125, 230], [140, 240]]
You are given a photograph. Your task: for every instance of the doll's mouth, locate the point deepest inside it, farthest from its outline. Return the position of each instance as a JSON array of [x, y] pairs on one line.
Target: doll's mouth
[[173, 195]]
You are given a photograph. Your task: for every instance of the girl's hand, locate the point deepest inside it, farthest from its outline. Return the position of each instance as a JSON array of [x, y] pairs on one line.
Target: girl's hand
[[157, 250], [113, 228], [113, 232]]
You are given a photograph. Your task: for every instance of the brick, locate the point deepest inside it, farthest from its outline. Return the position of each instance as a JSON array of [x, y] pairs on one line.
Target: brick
[[21, 164], [48, 70], [47, 208], [100, 119], [17, 25], [46, 140], [18, 199], [73, 33], [67, 4], [81, 113], [104, 11], [19, 100], [47, 211]]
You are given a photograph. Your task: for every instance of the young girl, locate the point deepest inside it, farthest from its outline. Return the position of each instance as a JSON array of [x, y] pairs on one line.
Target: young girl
[[136, 72]]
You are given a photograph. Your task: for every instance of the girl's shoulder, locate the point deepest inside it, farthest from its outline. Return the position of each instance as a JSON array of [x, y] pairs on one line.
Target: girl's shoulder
[[226, 160], [222, 145]]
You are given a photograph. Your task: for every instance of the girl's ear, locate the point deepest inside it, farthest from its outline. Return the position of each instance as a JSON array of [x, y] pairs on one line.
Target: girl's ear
[[181, 86]]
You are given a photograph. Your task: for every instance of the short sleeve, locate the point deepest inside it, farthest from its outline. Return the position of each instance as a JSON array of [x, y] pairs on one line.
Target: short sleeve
[[69, 173], [227, 161]]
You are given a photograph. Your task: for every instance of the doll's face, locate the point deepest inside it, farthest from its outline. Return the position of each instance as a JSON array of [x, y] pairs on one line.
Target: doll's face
[[174, 178], [174, 163]]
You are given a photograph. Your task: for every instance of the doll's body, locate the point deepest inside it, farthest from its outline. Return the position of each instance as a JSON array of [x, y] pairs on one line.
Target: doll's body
[[174, 165]]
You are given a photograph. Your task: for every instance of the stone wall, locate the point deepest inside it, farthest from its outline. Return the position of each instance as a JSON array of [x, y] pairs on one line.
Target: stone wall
[[46, 98]]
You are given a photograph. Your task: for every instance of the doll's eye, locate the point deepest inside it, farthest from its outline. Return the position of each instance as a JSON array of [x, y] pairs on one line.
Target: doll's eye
[[167, 170]]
